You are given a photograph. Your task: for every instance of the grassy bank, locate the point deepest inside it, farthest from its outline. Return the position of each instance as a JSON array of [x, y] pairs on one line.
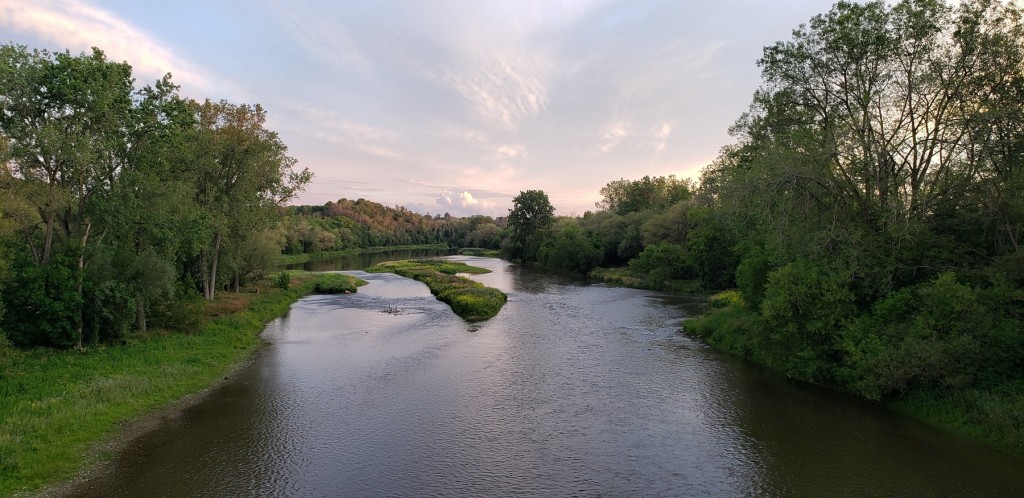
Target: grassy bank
[[289, 259], [479, 251], [624, 277], [470, 300], [57, 406], [993, 415]]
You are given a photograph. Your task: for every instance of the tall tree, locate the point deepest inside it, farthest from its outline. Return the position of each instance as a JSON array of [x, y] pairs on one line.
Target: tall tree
[[63, 117], [243, 173], [531, 212]]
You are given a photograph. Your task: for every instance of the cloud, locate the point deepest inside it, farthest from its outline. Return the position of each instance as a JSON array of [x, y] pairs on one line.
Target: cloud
[[661, 136], [509, 151], [465, 203], [503, 87], [613, 135], [78, 26]]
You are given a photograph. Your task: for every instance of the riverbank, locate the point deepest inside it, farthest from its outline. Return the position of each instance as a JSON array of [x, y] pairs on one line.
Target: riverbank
[[291, 259], [994, 415], [64, 412]]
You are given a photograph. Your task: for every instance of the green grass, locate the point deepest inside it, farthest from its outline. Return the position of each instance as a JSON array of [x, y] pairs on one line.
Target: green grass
[[470, 300], [336, 283], [994, 416], [624, 277], [479, 251], [56, 406]]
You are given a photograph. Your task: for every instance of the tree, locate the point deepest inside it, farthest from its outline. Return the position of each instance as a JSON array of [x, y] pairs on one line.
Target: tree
[[244, 172], [624, 196], [63, 118], [530, 214], [569, 250]]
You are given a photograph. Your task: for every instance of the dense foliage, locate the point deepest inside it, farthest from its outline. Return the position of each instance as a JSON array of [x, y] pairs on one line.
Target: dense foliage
[[361, 224], [117, 202], [877, 188]]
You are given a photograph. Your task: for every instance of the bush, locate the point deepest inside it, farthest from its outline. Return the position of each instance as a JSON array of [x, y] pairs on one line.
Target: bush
[[661, 263], [804, 308], [569, 251], [283, 280], [936, 335], [727, 299], [110, 308], [184, 313], [336, 283], [43, 304]]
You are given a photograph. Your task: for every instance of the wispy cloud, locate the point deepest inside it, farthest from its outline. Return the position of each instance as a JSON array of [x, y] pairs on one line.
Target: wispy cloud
[[613, 135], [502, 89], [79, 25]]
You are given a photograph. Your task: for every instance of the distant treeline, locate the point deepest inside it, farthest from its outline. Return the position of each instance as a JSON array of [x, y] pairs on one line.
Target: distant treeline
[[361, 224]]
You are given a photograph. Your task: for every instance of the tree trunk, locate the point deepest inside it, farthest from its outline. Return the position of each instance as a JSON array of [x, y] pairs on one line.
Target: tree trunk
[[140, 314], [48, 243], [81, 278], [237, 284], [204, 274], [212, 288]]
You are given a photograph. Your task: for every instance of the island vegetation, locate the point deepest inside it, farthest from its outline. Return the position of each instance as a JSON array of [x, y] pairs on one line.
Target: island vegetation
[[471, 300]]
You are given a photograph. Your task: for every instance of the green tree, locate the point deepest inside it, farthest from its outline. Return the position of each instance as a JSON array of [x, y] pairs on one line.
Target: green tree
[[530, 214], [569, 250], [244, 172], [64, 120]]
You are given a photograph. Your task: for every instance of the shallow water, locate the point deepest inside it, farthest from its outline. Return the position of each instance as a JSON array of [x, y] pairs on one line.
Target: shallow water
[[571, 390]]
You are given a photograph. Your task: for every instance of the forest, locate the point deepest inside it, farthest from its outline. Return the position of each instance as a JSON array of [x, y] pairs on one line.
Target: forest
[[863, 232]]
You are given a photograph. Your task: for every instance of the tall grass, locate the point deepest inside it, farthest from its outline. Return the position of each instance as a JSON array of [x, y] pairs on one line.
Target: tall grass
[[470, 300], [55, 405]]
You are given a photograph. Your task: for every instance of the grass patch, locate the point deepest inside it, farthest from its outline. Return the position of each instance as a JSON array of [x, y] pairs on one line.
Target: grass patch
[[993, 416], [470, 300], [624, 277], [55, 405], [481, 252], [336, 283]]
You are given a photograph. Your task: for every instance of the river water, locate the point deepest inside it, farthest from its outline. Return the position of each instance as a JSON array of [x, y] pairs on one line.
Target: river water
[[572, 390]]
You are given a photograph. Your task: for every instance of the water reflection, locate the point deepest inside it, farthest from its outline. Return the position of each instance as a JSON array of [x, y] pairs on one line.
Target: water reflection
[[367, 259], [570, 390]]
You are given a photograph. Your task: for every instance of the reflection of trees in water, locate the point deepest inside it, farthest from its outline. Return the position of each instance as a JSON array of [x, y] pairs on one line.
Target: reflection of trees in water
[[535, 281], [364, 260]]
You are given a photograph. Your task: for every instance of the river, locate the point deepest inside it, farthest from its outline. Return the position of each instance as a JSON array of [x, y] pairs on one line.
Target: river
[[572, 390]]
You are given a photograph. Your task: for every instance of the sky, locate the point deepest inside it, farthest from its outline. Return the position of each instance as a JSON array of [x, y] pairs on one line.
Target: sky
[[450, 106]]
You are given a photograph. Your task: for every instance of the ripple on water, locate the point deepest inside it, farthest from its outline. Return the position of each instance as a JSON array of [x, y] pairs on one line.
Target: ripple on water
[[570, 391]]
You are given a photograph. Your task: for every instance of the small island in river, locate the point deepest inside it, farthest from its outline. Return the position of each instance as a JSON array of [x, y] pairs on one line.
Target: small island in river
[[471, 300]]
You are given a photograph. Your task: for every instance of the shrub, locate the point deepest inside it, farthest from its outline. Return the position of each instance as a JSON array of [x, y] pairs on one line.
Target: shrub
[[936, 335], [43, 304], [805, 305], [336, 283], [661, 264], [283, 280], [727, 299], [569, 251]]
